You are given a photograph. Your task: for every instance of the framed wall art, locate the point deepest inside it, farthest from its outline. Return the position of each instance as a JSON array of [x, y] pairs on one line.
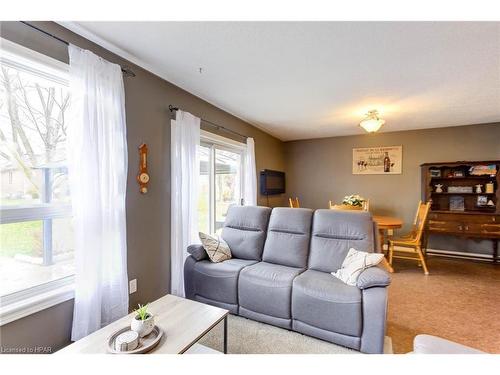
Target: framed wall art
[[377, 160]]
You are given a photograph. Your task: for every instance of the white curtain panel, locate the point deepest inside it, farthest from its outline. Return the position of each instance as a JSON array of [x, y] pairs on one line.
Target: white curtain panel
[[185, 138], [250, 188], [97, 157]]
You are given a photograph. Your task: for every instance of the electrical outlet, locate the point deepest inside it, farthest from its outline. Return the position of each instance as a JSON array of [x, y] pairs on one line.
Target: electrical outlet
[[132, 286]]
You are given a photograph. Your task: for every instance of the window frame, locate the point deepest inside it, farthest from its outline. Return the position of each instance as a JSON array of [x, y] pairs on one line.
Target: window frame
[[42, 211], [30, 300], [212, 142]]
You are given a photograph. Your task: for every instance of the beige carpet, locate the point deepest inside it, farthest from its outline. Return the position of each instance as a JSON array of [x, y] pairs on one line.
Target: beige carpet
[[246, 336]]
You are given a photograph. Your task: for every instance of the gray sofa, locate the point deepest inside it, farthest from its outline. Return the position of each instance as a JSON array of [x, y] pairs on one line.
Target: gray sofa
[[428, 344], [280, 274]]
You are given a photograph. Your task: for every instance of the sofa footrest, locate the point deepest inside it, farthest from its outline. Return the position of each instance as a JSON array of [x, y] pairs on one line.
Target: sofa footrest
[[337, 338], [278, 322], [233, 308]]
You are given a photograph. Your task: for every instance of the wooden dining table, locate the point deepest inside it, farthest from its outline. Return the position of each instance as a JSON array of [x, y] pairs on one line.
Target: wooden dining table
[[386, 226]]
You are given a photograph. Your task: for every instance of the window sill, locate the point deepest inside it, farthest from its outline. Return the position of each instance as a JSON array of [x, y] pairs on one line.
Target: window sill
[[28, 306]]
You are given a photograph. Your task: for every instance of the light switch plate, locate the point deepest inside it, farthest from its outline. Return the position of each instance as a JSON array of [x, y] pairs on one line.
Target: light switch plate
[[132, 286]]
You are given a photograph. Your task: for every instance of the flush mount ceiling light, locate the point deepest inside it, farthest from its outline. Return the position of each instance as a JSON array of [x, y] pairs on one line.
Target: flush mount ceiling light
[[372, 122]]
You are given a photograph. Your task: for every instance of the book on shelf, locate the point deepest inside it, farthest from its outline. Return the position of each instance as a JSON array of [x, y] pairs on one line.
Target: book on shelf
[[482, 170]]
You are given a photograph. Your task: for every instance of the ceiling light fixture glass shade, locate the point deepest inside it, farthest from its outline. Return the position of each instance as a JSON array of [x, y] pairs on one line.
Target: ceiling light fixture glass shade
[[372, 122]]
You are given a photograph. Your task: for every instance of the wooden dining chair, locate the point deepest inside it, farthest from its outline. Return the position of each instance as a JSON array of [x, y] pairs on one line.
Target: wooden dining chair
[[294, 202], [413, 239]]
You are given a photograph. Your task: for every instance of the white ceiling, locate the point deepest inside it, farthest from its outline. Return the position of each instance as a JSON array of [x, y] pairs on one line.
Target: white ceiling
[[299, 80]]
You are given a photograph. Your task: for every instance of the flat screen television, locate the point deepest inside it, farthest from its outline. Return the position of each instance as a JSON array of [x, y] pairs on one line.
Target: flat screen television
[[272, 182]]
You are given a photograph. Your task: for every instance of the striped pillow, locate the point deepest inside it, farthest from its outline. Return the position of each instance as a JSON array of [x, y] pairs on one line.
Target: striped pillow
[[216, 248]]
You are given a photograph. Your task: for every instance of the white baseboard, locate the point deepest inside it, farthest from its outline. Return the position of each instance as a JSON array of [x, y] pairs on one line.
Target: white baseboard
[[449, 253], [460, 254]]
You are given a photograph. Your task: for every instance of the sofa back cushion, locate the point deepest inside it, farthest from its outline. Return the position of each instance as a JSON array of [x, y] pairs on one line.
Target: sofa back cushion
[[334, 232], [288, 236], [245, 231]]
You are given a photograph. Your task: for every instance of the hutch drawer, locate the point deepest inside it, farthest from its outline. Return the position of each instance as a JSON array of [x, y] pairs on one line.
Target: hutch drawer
[[463, 224], [489, 229], [476, 218], [444, 226]]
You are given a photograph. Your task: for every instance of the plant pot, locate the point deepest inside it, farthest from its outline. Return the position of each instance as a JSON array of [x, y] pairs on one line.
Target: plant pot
[[347, 207], [143, 327]]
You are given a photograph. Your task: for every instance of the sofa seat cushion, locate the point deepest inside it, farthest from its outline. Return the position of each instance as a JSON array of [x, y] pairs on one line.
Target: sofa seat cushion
[[266, 288], [219, 281], [325, 302]]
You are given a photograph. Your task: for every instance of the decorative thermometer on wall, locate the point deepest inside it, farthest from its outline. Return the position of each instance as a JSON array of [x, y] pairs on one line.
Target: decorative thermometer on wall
[[143, 176]]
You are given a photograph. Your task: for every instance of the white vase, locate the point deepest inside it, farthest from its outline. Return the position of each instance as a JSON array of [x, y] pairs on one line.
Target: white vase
[[143, 327]]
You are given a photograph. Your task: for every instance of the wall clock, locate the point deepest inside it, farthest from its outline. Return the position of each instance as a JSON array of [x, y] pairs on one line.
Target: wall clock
[[143, 176]]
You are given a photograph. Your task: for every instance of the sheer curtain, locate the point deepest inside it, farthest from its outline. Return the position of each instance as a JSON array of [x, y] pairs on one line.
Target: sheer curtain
[[185, 138], [97, 157], [250, 198]]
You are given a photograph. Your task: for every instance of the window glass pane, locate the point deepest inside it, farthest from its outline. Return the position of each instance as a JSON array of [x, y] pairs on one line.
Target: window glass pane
[[204, 190], [34, 101], [33, 111], [63, 239], [17, 189], [23, 261], [59, 185], [227, 183]]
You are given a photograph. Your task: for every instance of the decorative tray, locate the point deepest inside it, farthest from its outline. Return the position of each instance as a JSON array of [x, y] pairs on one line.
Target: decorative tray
[[146, 343]]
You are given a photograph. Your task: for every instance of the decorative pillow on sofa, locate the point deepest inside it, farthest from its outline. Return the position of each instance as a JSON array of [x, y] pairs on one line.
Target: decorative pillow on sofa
[[216, 248], [354, 263]]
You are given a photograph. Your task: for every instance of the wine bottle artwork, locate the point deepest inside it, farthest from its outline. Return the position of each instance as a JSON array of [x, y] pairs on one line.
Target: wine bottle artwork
[[377, 160], [387, 163]]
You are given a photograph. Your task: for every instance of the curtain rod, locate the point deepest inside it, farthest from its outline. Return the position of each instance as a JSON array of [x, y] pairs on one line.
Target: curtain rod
[[127, 72], [217, 126]]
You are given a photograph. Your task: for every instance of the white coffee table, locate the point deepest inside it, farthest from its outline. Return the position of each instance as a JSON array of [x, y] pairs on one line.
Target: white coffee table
[[183, 322]]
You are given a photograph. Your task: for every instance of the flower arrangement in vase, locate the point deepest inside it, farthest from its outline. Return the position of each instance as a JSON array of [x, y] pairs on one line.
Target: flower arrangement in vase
[[354, 202]]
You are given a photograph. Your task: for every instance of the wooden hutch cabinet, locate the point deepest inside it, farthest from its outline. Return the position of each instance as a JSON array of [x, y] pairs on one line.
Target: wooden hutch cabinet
[[465, 199]]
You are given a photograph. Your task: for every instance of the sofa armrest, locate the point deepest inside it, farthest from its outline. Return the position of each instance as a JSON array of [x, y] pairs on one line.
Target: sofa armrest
[[427, 344], [197, 252], [373, 276]]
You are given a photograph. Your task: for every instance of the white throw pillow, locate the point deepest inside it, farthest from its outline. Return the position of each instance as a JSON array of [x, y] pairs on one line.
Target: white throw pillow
[[216, 248], [354, 263]]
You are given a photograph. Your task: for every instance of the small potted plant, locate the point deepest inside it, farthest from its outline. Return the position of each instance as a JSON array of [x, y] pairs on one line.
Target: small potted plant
[[353, 202], [143, 322]]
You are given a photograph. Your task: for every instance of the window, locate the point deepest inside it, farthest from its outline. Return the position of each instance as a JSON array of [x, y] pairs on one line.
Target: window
[[36, 238], [221, 180]]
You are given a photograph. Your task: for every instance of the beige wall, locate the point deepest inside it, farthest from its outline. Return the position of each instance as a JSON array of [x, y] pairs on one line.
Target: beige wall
[[148, 216], [319, 170]]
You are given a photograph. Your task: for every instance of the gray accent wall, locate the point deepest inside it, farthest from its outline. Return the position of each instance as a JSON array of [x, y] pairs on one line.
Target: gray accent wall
[[319, 170], [148, 216], [41, 333]]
